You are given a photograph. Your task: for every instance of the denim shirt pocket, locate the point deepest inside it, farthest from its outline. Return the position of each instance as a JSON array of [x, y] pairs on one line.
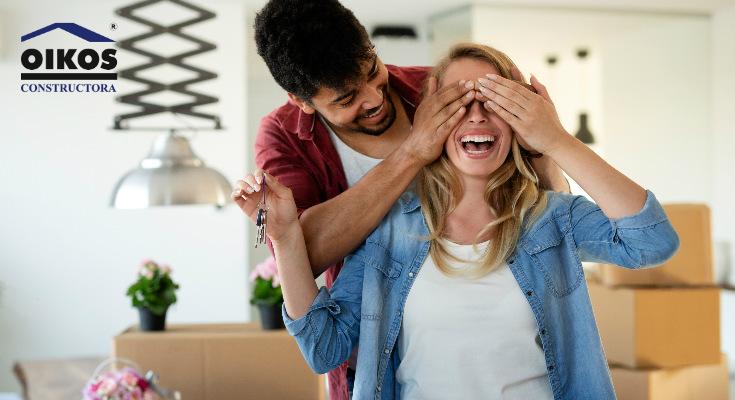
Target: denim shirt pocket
[[382, 270], [554, 255], [378, 256]]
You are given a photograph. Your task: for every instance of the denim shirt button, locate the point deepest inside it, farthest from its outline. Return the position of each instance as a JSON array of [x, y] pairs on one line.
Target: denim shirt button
[[386, 351], [398, 313], [410, 274], [378, 388]]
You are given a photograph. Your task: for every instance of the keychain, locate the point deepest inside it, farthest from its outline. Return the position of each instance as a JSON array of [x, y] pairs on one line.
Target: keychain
[[262, 218]]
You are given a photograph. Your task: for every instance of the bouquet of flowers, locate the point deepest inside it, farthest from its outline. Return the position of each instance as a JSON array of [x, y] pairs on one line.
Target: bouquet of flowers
[[154, 288], [127, 384], [267, 285]]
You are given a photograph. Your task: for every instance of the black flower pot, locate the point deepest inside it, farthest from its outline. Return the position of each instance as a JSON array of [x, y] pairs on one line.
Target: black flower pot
[[271, 317], [150, 321]]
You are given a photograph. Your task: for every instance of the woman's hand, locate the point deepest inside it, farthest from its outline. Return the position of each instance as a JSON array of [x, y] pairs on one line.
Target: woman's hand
[[532, 116], [436, 117], [284, 230], [282, 215]]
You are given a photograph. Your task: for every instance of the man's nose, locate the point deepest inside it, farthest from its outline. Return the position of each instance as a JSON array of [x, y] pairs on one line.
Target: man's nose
[[373, 98]]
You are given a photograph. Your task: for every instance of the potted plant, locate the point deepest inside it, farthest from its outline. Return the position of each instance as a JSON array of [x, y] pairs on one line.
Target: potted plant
[[267, 294], [152, 294]]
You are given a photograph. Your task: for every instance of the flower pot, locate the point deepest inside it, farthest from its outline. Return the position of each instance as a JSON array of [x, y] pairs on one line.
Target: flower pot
[[271, 317], [150, 321]]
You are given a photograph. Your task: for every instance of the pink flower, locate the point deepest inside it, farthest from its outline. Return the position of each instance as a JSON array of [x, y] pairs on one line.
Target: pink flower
[[147, 273], [166, 269], [149, 395], [127, 384], [133, 394], [267, 270], [128, 379], [107, 387], [146, 261]]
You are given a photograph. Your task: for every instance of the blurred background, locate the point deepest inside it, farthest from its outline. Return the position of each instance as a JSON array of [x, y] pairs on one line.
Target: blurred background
[[654, 78]]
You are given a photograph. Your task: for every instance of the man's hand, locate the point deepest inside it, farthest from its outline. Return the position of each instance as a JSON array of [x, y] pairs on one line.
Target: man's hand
[[436, 117]]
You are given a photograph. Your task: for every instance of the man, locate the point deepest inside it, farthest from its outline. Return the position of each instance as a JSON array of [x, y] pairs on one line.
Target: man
[[351, 139]]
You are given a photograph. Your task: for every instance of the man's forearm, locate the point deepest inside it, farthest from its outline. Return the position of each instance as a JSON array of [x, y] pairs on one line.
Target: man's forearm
[[336, 227], [550, 176]]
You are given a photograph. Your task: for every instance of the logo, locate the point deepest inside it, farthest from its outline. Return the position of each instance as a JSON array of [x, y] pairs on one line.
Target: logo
[[65, 64]]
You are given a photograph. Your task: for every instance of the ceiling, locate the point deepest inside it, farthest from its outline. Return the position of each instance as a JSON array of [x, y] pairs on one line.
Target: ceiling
[[419, 11]]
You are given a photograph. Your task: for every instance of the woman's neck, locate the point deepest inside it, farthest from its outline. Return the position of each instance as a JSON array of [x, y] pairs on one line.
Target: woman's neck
[[470, 215]]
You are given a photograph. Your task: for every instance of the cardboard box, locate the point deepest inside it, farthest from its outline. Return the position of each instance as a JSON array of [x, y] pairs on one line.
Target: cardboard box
[[223, 361], [658, 327], [692, 265], [684, 383]]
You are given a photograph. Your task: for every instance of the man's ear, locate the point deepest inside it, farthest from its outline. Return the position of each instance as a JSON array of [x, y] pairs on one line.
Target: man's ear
[[304, 106]]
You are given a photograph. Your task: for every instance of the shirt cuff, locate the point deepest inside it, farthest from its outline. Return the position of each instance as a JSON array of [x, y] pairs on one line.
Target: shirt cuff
[[651, 214], [322, 300]]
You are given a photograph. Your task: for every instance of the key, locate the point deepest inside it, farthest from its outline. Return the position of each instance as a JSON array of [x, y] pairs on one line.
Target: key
[[261, 221]]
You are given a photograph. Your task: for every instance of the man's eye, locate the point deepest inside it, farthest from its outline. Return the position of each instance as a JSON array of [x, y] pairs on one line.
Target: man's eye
[[348, 103]]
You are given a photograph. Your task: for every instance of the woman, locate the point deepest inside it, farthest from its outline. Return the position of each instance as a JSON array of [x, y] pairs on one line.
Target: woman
[[474, 287]]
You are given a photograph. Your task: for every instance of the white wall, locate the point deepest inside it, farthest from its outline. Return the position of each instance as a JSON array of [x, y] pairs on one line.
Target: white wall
[[66, 257], [723, 126], [657, 108]]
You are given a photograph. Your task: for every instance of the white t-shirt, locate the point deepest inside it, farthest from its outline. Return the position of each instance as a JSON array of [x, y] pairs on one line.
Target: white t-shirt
[[469, 339], [355, 164]]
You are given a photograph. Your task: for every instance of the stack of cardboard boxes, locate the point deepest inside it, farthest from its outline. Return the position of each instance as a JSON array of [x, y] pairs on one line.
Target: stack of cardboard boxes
[[660, 327], [223, 361]]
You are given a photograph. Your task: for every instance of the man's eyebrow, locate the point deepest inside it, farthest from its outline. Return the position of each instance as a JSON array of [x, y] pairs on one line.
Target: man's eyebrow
[[349, 93], [344, 96], [374, 67]]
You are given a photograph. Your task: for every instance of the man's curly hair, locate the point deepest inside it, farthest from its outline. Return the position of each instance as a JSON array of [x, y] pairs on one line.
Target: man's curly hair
[[309, 44]]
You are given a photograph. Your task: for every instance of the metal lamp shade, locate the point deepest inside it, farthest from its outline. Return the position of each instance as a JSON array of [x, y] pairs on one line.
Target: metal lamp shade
[[171, 174]]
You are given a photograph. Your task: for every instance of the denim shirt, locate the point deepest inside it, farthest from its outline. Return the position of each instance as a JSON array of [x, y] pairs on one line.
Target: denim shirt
[[365, 304]]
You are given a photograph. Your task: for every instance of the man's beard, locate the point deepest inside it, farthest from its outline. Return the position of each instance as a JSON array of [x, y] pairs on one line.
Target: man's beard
[[383, 126]]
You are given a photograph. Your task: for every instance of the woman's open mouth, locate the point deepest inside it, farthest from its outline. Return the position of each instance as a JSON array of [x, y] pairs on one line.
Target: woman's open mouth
[[477, 144]]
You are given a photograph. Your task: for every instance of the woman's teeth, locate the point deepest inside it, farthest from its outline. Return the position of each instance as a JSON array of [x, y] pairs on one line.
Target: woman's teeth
[[477, 144]]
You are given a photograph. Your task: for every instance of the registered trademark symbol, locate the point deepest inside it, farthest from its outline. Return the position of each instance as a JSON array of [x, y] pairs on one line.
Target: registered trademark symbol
[[113, 26]]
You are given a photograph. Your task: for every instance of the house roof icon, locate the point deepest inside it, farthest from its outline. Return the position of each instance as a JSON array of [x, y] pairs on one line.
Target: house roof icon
[[76, 30]]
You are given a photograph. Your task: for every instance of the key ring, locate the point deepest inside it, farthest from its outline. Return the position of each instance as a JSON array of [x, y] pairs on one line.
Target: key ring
[[261, 221]]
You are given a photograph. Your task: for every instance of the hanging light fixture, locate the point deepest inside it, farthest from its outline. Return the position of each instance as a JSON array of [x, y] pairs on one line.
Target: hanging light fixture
[[171, 174], [583, 133]]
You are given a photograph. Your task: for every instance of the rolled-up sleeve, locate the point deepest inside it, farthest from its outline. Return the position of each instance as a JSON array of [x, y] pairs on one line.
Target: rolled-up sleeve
[[645, 239], [329, 331]]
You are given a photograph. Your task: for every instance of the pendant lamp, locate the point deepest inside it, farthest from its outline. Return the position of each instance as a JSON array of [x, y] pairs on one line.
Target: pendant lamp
[[583, 133], [171, 174]]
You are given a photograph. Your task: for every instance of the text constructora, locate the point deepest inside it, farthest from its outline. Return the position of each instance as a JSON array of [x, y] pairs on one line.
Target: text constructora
[[67, 88]]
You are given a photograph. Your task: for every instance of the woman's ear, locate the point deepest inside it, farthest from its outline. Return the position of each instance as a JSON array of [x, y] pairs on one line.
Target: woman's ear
[[303, 105]]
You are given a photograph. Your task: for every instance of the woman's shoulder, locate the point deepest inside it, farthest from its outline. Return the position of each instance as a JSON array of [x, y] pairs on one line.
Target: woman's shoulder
[[559, 203], [404, 217], [560, 208]]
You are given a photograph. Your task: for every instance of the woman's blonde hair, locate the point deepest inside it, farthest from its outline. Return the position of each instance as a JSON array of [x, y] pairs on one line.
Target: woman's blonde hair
[[511, 193]]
